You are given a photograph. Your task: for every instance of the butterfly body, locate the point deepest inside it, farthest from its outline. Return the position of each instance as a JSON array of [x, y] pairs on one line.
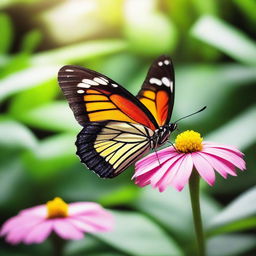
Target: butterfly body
[[119, 128]]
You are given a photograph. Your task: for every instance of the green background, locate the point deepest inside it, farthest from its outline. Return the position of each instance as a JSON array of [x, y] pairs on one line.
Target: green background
[[212, 45]]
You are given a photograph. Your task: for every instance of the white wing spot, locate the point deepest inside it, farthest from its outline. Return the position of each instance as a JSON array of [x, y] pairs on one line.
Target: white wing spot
[[171, 86], [114, 85], [155, 81], [166, 81], [100, 81], [89, 81], [103, 78], [166, 62], [160, 63], [80, 91], [69, 70], [82, 85]]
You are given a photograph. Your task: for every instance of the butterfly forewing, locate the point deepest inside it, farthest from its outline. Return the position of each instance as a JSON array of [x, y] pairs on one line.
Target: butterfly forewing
[[94, 97], [157, 92]]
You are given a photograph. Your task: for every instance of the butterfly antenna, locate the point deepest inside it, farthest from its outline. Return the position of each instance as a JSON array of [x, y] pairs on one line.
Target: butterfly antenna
[[200, 110], [157, 157]]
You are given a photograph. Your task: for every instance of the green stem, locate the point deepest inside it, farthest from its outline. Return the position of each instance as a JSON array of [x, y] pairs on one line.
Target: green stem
[[58, 245], [195, 203]]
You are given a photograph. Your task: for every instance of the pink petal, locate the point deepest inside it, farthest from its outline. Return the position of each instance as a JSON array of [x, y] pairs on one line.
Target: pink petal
[[144, 179], [228, 156], [152, 157], [82, 226], [151, 161], [9, 224], [18, 233], [82, 207], [17, 222], [102, 220], [66, 230], [163, 169], [222, 166], [183, 174], [170, 174], [39, 211], [204, 168], [149, 165], [100, 223], [39, 232], [208, 144]]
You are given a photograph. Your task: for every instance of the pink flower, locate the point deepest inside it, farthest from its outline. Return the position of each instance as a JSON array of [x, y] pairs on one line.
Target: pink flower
[[68, 221], [177, 163]]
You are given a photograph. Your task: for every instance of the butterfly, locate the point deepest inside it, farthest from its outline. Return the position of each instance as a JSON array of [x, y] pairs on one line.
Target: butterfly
[[119, 128]]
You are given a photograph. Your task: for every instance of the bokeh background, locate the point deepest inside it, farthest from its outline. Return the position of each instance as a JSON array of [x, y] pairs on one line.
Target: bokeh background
[[214, 52]]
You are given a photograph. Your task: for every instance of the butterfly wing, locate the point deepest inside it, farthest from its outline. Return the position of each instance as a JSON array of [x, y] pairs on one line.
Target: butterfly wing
[[109, 147], [94, 97], [157, 92]]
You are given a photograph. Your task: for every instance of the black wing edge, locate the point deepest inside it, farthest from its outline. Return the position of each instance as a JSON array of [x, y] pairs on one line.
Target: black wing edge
[[67, 84], [87, 153]]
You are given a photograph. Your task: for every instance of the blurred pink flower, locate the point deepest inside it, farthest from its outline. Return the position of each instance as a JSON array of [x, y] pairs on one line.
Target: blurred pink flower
[[177, 165], [68, 221]]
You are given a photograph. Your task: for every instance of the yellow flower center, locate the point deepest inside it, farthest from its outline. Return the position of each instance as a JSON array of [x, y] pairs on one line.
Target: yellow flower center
[[189, 141], [57, 208]]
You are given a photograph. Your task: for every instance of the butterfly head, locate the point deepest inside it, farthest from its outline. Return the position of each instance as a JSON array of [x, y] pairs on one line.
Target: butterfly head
[[172, 127], [162, 134]]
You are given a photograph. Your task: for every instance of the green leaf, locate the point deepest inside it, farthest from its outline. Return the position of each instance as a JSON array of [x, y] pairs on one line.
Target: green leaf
[[226, 38], [46, 69], [10, 176], [141, 33], [32, 98], [123, 195], [135, 234], [15, 135], [79, 52], [31, 41], [14, 64], [55, 116], [206, 7], [25, 79], [8, 3], [230, 133], [231, 245], [51, 155], [248, 7], [239, 215], [6, 32]]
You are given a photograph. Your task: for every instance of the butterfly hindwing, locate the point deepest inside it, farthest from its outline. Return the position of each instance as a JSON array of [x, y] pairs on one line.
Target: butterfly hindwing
[[157, 92], [109, 147], [94, 97]]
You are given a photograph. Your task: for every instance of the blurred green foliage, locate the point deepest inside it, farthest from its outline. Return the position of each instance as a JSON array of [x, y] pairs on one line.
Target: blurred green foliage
[[213, 47]]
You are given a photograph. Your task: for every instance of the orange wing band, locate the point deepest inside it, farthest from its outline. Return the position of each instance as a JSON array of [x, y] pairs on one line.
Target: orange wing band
[[132, 111], [162, 100]]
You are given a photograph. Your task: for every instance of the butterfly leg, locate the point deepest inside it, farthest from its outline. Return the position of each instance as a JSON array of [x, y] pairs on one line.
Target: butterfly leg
[[173, 146], [157, 157]]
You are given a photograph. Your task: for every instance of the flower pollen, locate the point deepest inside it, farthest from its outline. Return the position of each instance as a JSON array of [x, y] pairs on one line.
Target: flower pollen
[[57, 208], [189, 141]]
